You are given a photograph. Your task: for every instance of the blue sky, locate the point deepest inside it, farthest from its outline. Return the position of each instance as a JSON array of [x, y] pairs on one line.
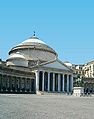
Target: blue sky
[[65, 25]]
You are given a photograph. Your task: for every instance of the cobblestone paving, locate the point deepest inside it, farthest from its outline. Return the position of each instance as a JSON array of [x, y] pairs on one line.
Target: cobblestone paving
[[29, 106]]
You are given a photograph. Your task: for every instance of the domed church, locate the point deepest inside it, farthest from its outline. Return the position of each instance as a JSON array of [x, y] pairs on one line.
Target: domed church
[[34, 67]]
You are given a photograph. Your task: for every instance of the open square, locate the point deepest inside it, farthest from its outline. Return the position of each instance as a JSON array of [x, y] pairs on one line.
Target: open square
[[55, 106]]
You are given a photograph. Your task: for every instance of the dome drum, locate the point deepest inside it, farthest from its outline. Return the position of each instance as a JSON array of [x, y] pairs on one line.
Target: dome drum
[[35, 54], [17, 49]]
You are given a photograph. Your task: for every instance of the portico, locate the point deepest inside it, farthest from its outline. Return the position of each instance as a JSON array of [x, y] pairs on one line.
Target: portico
[[54, 77], [54, 81]]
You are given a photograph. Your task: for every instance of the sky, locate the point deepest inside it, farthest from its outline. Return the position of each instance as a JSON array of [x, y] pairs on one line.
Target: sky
[[65, 25]]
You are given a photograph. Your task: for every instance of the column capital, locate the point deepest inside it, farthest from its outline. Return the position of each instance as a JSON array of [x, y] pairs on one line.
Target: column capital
[[48, 72], [64, 74], [59, 74], [36, 71], [43, 71], [67, 74]]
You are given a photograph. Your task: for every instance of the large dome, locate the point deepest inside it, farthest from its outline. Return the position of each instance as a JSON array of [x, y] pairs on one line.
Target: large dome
[[33, 49]]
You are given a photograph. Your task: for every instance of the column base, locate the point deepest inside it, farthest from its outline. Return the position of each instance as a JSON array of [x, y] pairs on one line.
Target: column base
[[59, 92], [39, 92]]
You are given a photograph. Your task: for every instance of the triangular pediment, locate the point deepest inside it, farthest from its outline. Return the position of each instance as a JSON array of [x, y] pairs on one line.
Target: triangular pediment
[[56, 65]]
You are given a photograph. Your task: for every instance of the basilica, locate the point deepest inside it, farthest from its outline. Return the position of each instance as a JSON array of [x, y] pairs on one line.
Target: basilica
[[34, 67]]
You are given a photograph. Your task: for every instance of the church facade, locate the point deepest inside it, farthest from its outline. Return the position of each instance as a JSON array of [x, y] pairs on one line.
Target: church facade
[[34, 67]]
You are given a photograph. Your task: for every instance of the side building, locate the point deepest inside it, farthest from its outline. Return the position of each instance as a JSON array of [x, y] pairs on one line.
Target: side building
[[88, 69], [34, 67], [83, 75]]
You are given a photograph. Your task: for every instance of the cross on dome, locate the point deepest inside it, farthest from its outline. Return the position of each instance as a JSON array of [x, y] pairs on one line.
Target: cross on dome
[[34, 33]]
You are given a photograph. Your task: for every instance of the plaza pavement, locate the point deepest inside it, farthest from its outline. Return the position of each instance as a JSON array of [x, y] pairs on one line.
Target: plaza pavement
[[30, 106]]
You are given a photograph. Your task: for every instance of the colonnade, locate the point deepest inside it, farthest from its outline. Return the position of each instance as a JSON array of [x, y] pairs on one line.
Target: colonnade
[[16, 84], [54, 82]]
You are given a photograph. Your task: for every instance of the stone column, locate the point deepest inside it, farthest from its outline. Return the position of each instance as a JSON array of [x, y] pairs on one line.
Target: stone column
[[10, 83], [15, 83], [58, 82], [30, 84], [25, 84], [71, 83], [1, 81], [19, 84], [37, 81], [53, 82], [48, 81], [6, 82], [63, 83], [43, 81], [67, 83]]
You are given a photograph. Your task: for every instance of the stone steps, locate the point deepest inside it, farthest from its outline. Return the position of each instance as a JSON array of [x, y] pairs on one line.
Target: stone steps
[[52, 93]]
